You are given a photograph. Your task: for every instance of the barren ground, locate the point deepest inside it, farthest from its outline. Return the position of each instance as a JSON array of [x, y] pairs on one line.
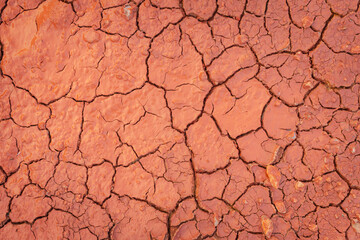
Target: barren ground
[[180, 119]]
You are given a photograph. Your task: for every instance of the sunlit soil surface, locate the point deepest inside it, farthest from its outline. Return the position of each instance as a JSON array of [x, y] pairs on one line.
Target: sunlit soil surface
[[170, 119]]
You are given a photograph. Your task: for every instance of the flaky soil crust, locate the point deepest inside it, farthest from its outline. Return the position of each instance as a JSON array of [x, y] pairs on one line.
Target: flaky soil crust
[[167, 119]]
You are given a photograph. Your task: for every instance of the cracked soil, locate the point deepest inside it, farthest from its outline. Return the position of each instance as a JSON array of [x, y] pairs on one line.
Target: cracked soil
[[180, 119]]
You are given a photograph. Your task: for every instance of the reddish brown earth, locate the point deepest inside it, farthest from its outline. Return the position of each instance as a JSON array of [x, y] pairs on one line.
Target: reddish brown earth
[[180, 119]]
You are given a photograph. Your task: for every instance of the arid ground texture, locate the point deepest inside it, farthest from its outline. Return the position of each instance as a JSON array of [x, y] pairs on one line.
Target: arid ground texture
[[180, 119]]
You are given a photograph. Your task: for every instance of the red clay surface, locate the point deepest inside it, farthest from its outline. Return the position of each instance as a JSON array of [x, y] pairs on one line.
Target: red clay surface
[[180, 119]]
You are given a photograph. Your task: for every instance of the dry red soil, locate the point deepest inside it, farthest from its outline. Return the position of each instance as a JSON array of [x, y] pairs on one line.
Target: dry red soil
[[180, 119]]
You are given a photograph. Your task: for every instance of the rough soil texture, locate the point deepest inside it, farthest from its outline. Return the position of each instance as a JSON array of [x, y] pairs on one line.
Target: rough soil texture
[[180, 119]]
